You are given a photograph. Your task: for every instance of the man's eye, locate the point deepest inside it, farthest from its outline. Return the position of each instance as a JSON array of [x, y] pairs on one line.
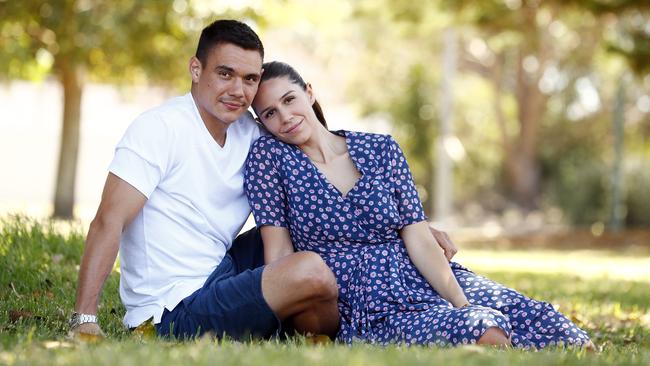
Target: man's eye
[[225, 74]]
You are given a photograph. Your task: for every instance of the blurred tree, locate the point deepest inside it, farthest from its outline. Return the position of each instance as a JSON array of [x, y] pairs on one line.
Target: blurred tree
[[118, 41], [395, 77], [121, 41], [544, 39], [530, 52]]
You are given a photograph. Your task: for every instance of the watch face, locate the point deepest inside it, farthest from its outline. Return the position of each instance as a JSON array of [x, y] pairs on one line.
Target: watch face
[[74, 320]]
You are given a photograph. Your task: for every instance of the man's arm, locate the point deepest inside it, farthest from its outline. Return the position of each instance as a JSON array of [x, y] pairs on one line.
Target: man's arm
[[120, 203]]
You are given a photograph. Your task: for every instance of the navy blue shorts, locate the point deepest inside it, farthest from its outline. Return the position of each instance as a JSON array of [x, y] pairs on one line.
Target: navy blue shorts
[[230, 302]]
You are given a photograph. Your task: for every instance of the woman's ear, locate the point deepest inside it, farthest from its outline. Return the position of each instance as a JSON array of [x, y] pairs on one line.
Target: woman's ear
[[310, 93]]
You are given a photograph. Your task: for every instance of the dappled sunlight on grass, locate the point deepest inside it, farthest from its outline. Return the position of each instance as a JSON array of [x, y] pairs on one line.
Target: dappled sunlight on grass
[[578, 263]]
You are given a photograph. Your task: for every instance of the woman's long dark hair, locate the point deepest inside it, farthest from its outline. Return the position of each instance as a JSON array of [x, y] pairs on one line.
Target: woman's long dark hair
[[276, 69]]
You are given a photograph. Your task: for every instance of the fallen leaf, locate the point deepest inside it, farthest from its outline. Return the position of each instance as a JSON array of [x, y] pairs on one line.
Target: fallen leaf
[[146, 330], [15, 315], [88, 338], [318, 339]]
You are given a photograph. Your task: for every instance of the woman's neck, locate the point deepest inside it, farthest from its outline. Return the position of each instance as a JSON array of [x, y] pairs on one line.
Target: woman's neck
[[323, 146]]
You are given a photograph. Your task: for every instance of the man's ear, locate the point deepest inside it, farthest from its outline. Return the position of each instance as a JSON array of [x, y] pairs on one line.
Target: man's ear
[[310, 93], [195, 68]]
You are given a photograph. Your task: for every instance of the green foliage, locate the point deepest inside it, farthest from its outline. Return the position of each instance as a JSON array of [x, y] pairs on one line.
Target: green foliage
[[39, 274], [122, 41], [418, 122]]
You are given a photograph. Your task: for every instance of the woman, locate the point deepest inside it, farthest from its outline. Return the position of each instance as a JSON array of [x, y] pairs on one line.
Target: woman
[[350, 198]]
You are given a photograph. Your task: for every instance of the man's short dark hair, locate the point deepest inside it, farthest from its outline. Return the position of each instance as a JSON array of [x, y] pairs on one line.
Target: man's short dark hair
[[227, 31]]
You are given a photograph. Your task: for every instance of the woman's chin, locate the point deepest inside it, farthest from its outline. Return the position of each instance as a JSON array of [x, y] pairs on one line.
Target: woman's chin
[[292, 139]]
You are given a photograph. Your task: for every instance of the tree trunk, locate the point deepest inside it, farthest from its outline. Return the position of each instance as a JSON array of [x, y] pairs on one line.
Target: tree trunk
[[522, 163], [523, 167], [70, 78]]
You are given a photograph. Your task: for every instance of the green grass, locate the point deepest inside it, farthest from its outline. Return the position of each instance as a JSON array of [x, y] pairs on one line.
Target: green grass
[[606, 293]]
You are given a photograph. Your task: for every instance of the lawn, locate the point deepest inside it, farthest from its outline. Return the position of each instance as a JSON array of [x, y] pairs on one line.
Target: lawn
[[605, 292]]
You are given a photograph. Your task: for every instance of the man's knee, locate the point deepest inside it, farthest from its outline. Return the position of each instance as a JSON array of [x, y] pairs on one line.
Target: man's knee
[[314, 276]]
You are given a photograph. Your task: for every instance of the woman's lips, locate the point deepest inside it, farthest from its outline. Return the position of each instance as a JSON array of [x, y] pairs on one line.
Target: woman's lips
[[293, 128]]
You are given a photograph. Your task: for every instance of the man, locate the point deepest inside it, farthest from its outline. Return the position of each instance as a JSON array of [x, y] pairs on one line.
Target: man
[[174, 199], [173, 202]]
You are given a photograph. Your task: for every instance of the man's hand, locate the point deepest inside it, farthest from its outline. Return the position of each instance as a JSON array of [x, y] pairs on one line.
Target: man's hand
[[88, 332], [445, 243]]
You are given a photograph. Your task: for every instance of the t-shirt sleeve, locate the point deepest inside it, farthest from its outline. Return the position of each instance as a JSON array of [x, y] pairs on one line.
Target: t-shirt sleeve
[[142, 155], [263, 186], [408, 201]]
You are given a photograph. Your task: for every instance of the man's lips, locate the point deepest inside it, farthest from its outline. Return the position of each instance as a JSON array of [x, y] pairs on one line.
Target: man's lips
[[232, 105], [293, 127]]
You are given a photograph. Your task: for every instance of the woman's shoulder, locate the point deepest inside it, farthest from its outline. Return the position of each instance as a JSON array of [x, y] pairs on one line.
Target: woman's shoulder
[[268, 146], [267, 142], [372, 141]]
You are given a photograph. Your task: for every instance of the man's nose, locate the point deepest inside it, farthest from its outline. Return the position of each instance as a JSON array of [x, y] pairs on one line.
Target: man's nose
[[236, 87]]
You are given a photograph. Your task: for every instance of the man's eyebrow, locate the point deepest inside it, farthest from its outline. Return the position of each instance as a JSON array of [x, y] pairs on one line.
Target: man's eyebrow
[[224, 68], [282, 97], [257, 75]]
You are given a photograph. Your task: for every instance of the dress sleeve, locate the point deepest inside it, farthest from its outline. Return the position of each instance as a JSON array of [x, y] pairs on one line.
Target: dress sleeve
[[408, 201], [263, 186]]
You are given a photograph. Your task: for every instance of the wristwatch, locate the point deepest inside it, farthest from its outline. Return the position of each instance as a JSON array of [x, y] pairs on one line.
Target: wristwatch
[[76, 319]]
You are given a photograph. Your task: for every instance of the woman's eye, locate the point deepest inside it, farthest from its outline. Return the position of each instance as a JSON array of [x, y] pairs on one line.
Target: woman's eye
[[269, 114], [289, 99]]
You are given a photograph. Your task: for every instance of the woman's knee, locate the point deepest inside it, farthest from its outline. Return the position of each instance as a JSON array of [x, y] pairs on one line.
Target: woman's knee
[[314, 276]]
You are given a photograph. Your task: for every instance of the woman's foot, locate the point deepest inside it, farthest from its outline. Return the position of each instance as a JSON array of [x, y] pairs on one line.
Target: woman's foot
[[494, 337]]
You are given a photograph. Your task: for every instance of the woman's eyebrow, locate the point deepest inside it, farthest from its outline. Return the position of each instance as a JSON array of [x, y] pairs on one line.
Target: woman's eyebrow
[[282, 97]]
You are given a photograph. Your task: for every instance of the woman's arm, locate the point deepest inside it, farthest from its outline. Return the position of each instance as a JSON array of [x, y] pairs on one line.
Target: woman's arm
[[430, 260], [277, 242]]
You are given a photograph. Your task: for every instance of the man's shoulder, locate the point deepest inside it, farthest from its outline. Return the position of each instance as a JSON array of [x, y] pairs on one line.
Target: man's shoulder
[[179, 108], [173, 112]]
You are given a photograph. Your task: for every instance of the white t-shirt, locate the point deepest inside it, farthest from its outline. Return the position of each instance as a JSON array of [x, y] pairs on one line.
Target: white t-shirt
[[195, 207]]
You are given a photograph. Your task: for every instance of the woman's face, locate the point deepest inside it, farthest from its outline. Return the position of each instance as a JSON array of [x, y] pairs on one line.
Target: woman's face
[[286, 111]]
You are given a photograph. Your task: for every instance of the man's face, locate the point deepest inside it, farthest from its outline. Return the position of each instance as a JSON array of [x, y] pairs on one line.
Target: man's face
[[225, 85]]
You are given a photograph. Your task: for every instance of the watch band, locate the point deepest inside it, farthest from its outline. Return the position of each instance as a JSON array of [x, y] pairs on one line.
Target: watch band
[[78, 318]]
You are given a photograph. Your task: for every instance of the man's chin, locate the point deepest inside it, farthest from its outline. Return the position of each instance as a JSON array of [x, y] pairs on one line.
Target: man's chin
[[229, 118]]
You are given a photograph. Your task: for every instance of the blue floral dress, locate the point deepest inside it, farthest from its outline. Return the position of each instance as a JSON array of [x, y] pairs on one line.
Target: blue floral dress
[[382, 296]]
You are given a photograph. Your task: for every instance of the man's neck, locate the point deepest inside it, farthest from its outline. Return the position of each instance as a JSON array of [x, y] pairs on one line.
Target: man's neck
[[217, 129]]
